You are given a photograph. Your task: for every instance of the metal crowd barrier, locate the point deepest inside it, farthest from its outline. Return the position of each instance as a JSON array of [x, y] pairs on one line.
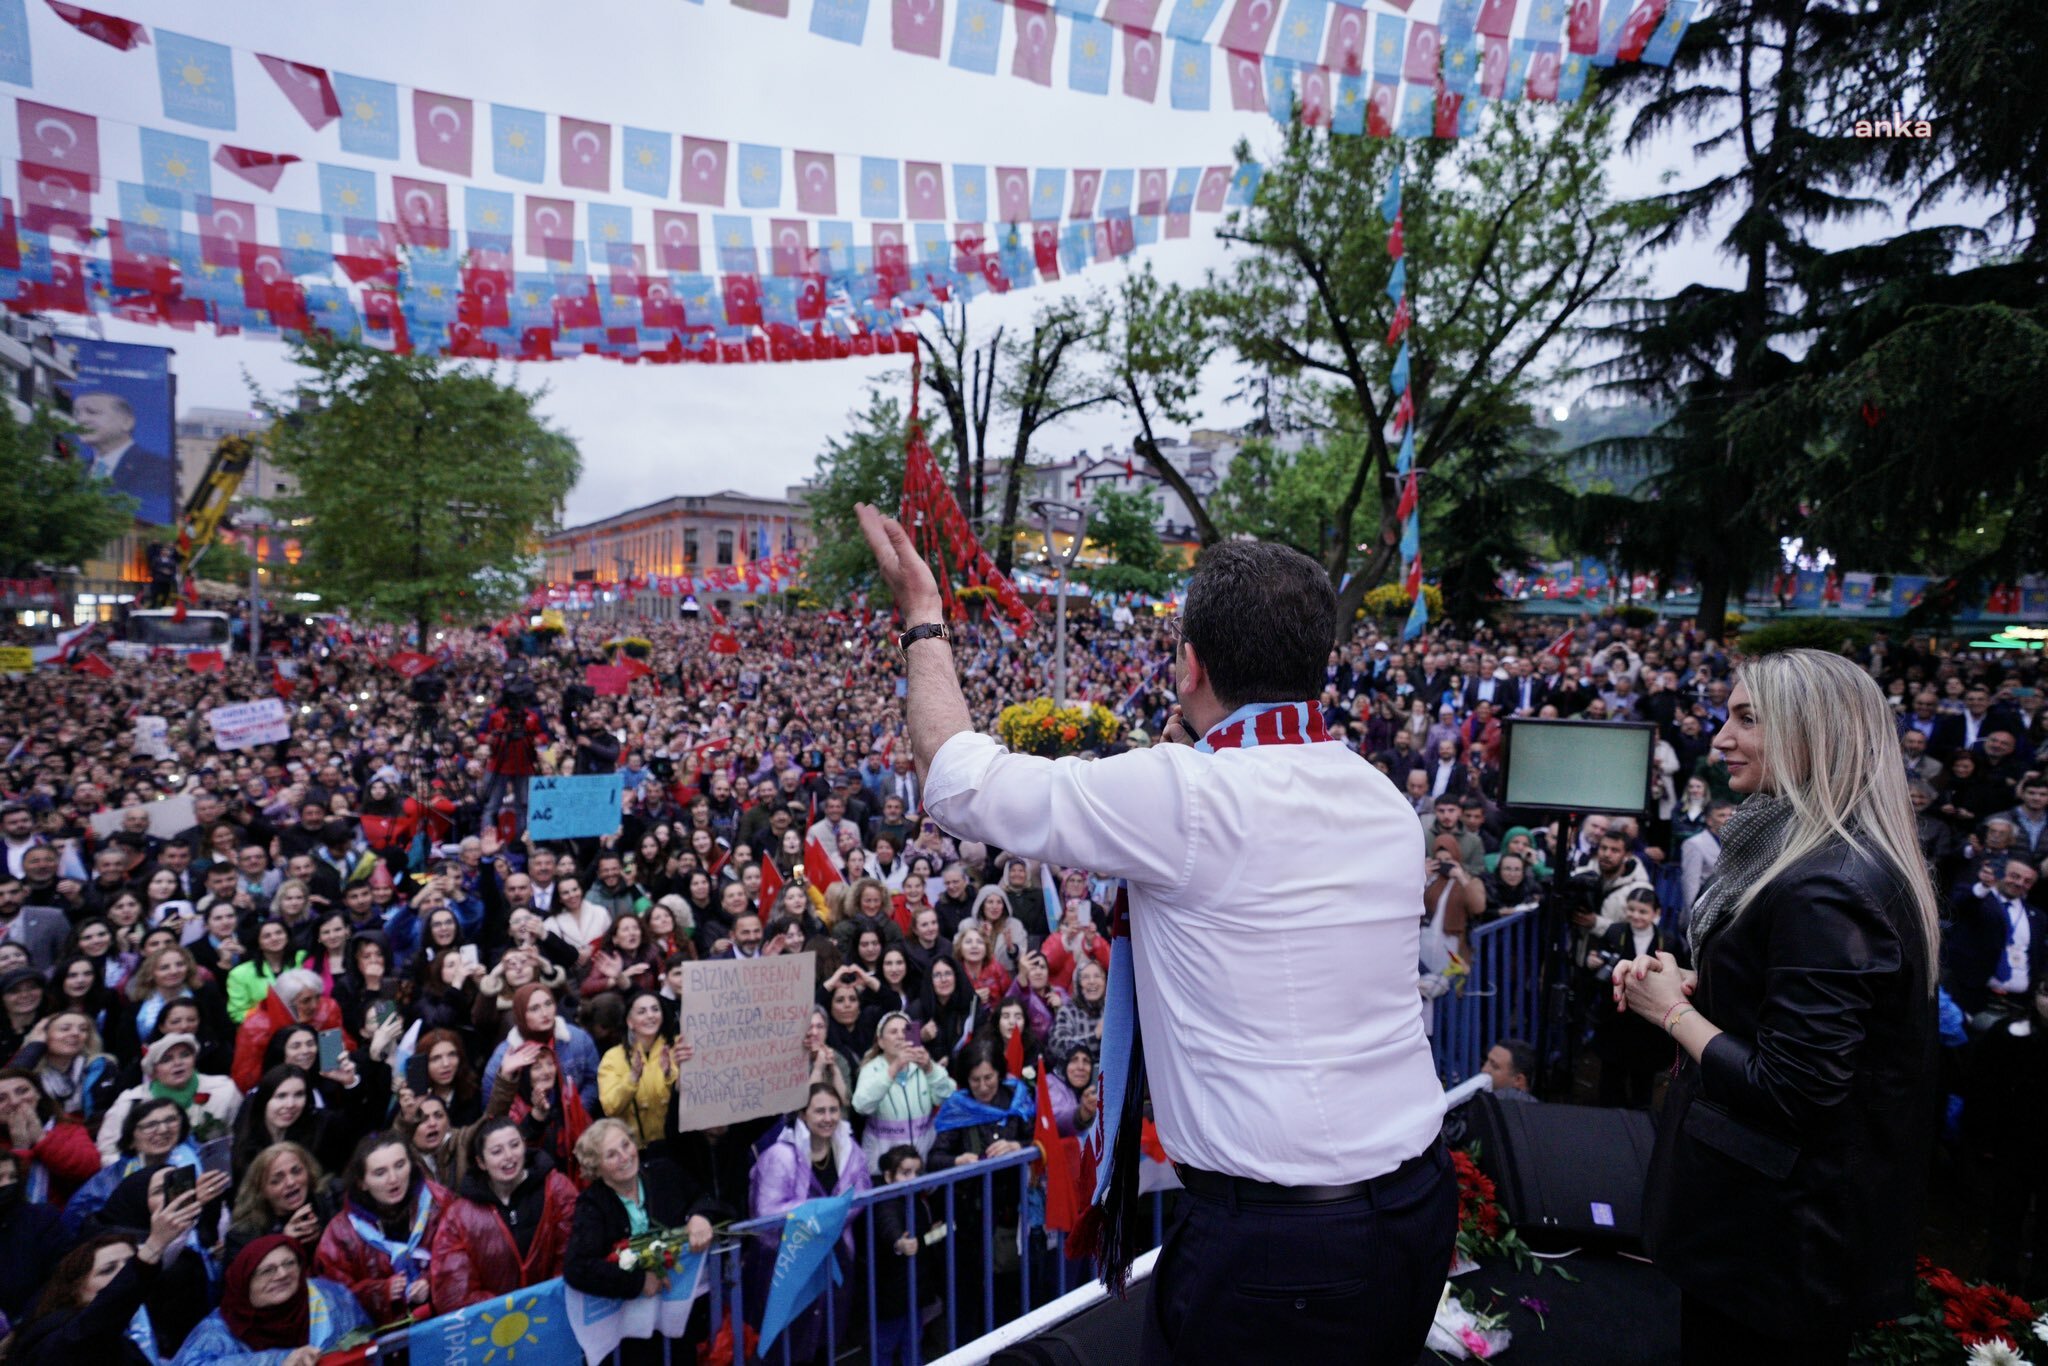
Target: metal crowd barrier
[[1498, 998]]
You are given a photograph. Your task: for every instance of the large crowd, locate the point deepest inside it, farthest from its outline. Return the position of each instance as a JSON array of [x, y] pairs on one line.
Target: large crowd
[[352, 1047]]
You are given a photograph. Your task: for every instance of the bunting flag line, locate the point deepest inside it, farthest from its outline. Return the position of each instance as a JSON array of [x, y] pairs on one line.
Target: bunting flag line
[[1408, 511]]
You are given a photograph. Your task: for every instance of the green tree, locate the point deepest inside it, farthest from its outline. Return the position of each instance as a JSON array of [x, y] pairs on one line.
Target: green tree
[[1046, 383], [424, 484], [1124, 526], [1157, 340], [1287, 496], [1510, 237], [864, 466], [63, 516]]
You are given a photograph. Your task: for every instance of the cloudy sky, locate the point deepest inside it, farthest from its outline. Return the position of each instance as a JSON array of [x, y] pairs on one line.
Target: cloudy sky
[[710, 70]]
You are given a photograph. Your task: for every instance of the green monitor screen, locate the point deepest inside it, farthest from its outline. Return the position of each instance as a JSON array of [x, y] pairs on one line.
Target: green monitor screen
[[1580, 766]]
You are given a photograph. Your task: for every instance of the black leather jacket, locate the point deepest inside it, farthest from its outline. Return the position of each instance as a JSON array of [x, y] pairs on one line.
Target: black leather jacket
[[1791, 1163]]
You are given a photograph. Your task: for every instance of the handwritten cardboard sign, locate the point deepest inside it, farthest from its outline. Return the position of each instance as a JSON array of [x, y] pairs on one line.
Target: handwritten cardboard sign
[[572, 807], [745, 1021], [243, 725]]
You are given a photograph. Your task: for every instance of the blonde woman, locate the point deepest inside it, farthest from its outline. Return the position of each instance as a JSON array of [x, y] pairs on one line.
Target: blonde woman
[[1785, 1193], [899, 1090]]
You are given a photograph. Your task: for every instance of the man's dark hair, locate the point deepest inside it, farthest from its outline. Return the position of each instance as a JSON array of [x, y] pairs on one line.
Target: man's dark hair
[[2034, 780], [1521, 1056], [1614, 835], [1719, 804], [1261, 617], [1469, 802]]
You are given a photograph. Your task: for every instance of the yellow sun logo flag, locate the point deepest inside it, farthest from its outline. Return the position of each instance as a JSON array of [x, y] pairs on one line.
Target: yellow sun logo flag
[[529, 1325]]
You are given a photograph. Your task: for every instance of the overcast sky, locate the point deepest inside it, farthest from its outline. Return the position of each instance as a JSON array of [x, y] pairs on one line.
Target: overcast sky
[[710, 70]]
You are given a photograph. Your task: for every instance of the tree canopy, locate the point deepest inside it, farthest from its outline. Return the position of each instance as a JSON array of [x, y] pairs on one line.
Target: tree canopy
[[63, 516]]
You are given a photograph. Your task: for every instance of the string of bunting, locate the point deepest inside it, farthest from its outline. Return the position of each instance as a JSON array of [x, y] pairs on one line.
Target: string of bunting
[[1409, 510], [941, 532], [772, 571], [1309, 63]]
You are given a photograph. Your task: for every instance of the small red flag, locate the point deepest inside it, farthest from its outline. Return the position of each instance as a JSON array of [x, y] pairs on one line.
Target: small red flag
[[307, 87], [262, 169], [819, 869], [96, 665], [771, 888], [1064, 1199], [1013, 1054], [205, 662], [717, 617], [410, 663], [124, 34], [608, 680], [724, 643]]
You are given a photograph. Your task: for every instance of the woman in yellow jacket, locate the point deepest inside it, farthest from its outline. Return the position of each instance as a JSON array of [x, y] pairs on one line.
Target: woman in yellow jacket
[[636, 1080]]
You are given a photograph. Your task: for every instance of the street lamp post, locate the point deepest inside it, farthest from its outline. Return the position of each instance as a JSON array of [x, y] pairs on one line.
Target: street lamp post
[[1059, 562]]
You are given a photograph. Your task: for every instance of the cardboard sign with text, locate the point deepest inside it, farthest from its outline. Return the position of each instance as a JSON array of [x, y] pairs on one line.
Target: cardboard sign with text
[[244, 725], [574, 806], [168, 817], [745, 1020]]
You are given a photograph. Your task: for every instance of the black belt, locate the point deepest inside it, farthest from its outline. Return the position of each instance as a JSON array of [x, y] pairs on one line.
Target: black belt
[[1243, 1189]]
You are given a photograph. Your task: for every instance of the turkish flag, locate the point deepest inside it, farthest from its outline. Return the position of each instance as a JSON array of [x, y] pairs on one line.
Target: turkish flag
[[578, 310], [915, 26], [789, 246], [1141, 65], [1249, 25], [924, 190], [262, 271], [1379, 110], [1497, 18], [205, 662], [1013, 1054], [1345, 51], [817, 182], [1402, 317], [819, 869], [1447, 104], [703, 172], [1045, 249], [422, 212], [992, 273], [586, 155], [52, 198], [483, 300], [58, 137], [1493, 68], [96, 665], [1421, 63], [1013, 194], [1152, 192], [1036, 29], [1411, 498], [771, 888], [1086, 183], [1640, 27], [1543, 77], [1396, 238], [442, 131], [608, 680], [364, 270], [410, 664], [1065, 1201], [1247, 81], [1315, 98], [261, 169], [551, 228], [124, 34], [676, 242], [1215, 185], [307, 87], [1122, 237], [223, 228], [1584, 30], [725, 642], [742, 300]]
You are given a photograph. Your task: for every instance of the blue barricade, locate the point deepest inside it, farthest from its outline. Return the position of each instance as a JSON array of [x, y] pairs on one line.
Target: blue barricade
[[1497, 998]]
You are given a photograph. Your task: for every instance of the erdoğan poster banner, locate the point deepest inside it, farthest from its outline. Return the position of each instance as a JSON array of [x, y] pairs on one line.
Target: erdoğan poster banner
[[121, 404]]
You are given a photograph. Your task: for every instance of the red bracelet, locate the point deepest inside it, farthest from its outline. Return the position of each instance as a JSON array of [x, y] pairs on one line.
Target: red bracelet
[[1671, 1010]]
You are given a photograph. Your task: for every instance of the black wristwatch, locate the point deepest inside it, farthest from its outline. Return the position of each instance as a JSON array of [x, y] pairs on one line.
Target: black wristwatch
[[928, 631]]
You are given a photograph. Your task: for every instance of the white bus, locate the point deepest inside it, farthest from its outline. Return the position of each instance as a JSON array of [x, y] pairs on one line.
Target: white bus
[[158, 629]]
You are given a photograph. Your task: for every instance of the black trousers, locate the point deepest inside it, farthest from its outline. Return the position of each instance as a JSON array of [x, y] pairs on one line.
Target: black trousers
[[1708, 1337], [1355, 1281]]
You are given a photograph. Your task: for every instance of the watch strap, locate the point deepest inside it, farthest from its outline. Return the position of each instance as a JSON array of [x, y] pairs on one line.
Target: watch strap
[[926, 631]]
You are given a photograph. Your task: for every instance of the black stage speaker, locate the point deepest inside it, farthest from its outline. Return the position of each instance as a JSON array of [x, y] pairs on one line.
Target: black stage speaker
[[1567, 1175], [1109, 1332]]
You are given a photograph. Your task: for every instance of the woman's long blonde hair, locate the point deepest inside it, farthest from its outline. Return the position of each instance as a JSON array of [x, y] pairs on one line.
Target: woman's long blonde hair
[[1830, 747]]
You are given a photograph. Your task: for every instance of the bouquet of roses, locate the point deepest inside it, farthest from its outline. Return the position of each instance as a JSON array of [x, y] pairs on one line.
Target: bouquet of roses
[[1957, 1320], [656, 1250], [1483, 1231]]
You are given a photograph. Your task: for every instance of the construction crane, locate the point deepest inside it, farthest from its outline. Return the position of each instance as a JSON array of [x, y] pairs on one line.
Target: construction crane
[[199, 525]]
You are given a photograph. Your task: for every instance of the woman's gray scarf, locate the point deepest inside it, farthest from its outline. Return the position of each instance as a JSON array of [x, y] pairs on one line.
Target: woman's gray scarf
[[1750, 842]]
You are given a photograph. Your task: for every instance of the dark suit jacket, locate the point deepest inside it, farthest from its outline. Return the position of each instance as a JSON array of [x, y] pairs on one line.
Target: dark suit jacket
[[1976, 937], [1949, 731], [1539, 693], [1791, 1163], [150, 479]]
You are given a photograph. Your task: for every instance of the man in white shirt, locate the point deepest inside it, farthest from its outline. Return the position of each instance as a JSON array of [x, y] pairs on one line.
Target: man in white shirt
[[1303, 1116]]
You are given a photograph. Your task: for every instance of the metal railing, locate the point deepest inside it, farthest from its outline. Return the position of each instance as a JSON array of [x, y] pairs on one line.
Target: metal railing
[[1042, 1271], [1499, 997]]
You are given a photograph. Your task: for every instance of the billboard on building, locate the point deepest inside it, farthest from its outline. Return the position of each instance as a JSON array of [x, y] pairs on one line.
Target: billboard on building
[[123, 403]]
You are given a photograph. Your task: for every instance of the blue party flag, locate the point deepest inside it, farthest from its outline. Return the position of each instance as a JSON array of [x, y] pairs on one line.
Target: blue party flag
[[1244, 185], [304, 239], [198, 80], [1088, 56], [760, 176], [1397, 280], [734, 235], [332, 309], [1190, 85], [1469, 110], [151, 220], [15, 65], [702, 306], [835, 247], [1405, 460], [1399, 378], [1418, 112], [1191, 19], [1663, 44], [532, 1321], [175, 163], [532, 300], [1457, 16], [1186, 182], [1613, 18], [1571, 78], [1079, 9], [1280, 90], [519, 143], [1546, 21], [489, 216], [1418, 618], [1460, 55], [611, 232], [1115, 199], [977, 34], [1048, 192], [970, 194], [1300, 36], [1349, 115], [778, 300], [369, 116], [845, 20], [1390, 200], [347, 196], [646, 159], [1517, 82], [1389, 34], [1411, 537], [804, 1264], [1145, 229], [880, 196]]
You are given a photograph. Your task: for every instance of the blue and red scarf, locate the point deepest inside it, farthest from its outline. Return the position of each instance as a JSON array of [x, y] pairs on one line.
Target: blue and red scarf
[[1111, 1224]]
